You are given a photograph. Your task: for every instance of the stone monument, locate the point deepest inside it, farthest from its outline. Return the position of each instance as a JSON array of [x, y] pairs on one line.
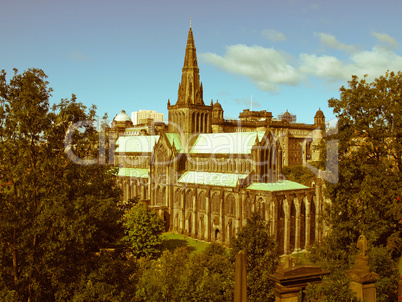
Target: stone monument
[[290, 280], [240, 294], [362, 278]]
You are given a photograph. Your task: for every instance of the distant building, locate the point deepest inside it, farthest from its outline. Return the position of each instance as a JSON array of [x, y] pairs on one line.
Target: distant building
[[291, 118], [206, 175], [143, 116]]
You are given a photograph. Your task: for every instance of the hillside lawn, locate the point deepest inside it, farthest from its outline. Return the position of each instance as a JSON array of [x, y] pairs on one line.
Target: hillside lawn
[[173, 241]]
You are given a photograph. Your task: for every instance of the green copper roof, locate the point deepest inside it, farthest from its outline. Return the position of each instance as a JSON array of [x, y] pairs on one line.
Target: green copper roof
[[226, 143], [133, 172], [278, 186], [141, 143], [175, 138], [213, 179]]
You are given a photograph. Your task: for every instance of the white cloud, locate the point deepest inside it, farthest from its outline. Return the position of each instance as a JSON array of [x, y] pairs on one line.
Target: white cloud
[[269, 68], [386, 39], [331, 41], [326, 67], [374, 62], [273, 35], [266, 67]]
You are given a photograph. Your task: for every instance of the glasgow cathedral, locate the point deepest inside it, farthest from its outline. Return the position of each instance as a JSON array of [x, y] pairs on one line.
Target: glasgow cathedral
[[206, 175]]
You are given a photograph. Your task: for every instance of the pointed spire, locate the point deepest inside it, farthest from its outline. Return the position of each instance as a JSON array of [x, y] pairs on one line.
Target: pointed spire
[[257, 142], [190, 60], [190, 88]]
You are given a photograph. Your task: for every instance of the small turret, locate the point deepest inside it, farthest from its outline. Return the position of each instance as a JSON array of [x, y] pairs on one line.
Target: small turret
[[319, 118], [217, 112], [318, 134]]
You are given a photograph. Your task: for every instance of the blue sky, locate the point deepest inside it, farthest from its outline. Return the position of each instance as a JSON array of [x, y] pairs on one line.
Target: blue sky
[[127, 54]]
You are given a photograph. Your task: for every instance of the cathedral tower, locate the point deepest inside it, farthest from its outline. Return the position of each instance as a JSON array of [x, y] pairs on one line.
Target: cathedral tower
[[190, 115]]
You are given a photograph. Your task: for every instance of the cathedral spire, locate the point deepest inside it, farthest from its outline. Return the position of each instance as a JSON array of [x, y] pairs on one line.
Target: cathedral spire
[[190, 59], [190, 88]]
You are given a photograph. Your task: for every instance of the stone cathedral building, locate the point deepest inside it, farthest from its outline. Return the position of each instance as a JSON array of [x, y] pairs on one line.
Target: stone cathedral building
[[206, 175]]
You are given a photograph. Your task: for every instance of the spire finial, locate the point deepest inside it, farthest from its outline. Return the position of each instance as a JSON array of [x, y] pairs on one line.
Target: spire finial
[[190, 22]]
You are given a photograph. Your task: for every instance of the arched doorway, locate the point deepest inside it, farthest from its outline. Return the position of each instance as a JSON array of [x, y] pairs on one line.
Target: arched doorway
[[217, 235]]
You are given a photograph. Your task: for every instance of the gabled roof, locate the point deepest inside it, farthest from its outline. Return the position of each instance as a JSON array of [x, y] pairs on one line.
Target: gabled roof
[[174, 139], [226, 143], [134, 172], [277, 186], [142, 144], [212, 179]]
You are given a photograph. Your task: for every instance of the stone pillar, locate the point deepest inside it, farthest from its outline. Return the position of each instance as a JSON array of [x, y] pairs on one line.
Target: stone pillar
[[286, 147], [209, 216], [170, 190], [308, 219], [222, 218], [304, 152], [297, 226], [183, 211], [240, 291], [275, 218], [238, 210], [362, 278], [195, 212], [287, 227]]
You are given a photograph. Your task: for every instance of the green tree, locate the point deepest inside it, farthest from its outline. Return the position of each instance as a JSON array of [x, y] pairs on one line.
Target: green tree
[[113, 278], [53, 212], [211, 276], [299, 174], [334, 288], [382, 263], [181, 276], [262, 257], [369, 159], [143, 228], [164, 279]]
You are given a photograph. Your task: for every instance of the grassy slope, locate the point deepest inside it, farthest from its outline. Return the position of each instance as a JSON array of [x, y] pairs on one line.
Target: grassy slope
[[172, 241]]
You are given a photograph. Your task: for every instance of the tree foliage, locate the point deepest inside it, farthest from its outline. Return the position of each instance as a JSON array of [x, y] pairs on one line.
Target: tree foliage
[[299, 174], [143, 228], [365, 198], [335, 288], [262, 257], [112, 278], [53, 212], [180, 276]]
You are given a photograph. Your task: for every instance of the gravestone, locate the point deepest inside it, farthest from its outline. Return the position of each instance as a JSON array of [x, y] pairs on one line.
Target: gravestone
[[362, 278], [240, 294], [290, 280]]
